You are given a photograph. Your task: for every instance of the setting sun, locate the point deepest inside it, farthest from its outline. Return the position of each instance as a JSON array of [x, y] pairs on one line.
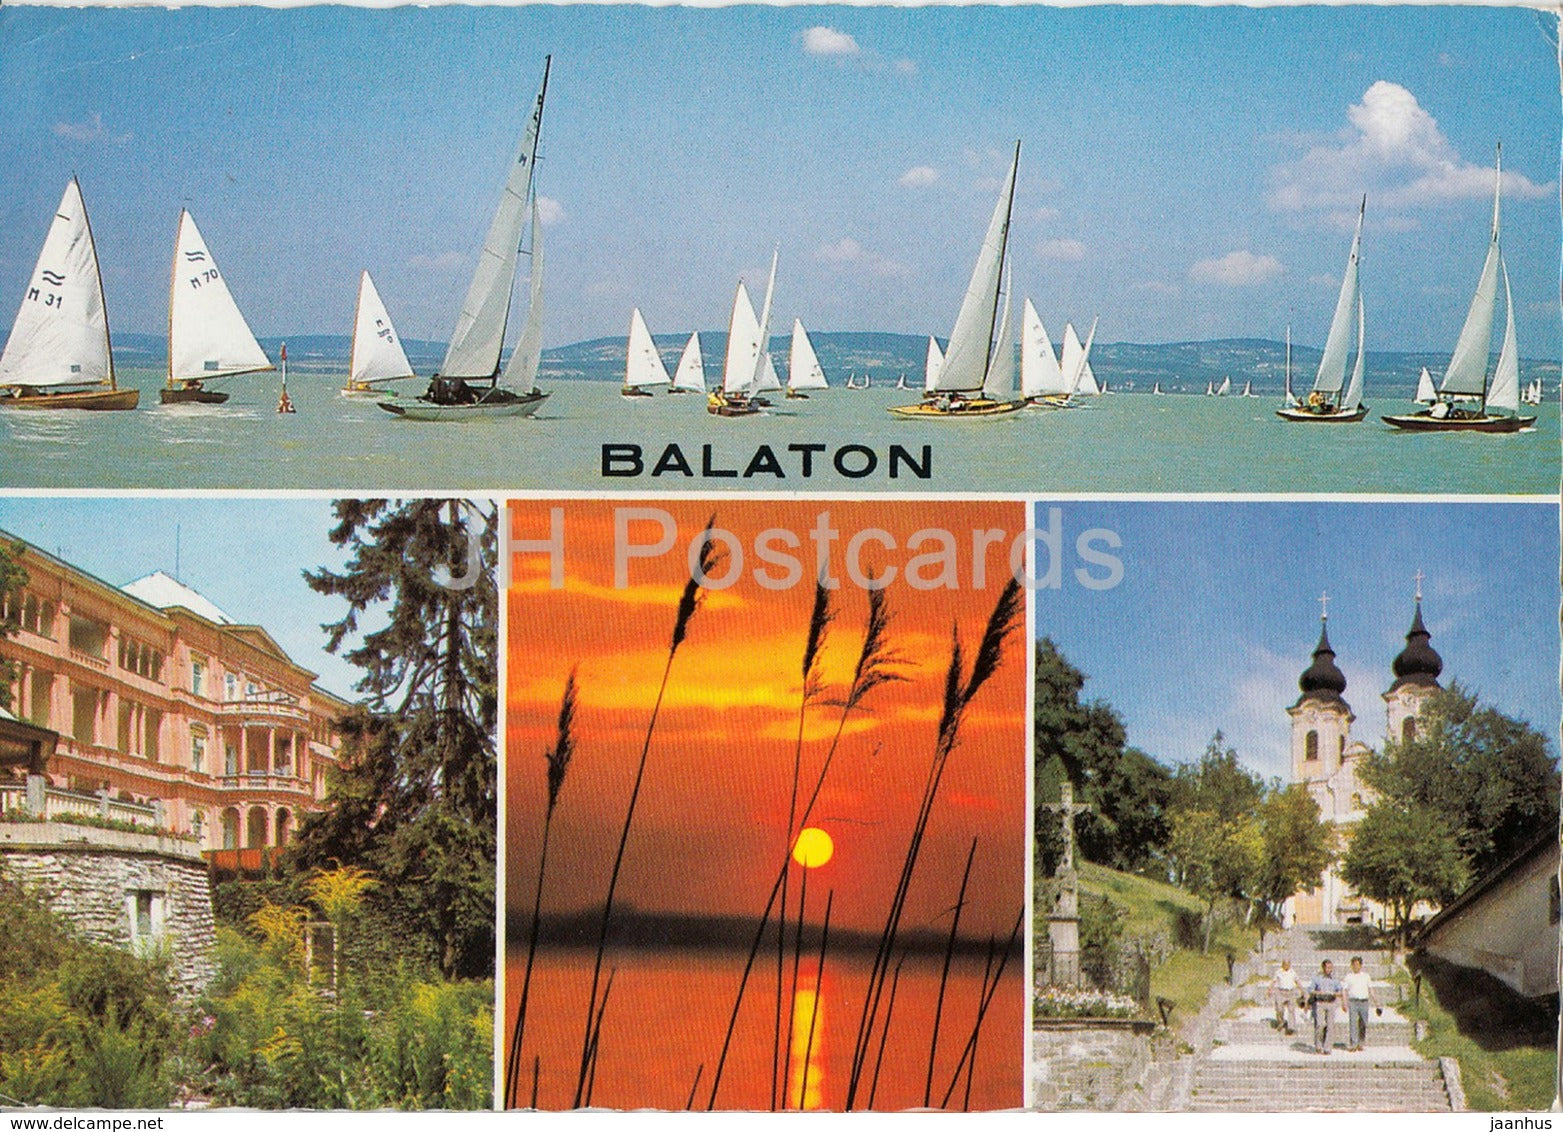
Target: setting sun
[[813, 848]]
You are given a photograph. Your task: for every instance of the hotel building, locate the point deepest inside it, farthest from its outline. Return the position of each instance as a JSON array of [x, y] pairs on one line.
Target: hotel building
[[169, 713]]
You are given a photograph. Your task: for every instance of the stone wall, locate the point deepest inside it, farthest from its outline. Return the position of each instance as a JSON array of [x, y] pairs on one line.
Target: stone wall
[[87, 874], [1095, 1065]]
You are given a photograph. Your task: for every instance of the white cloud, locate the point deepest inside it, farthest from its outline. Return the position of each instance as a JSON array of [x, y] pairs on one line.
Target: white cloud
[[91, 130], [1236, 269], [1394, 151], [919, 177], [438, 263], [550, 211], [1066, 250], [821, 40], [1156, 287], [849, 253]]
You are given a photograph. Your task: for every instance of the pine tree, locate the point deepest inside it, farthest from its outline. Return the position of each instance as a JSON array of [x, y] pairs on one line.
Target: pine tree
[[414, 801]]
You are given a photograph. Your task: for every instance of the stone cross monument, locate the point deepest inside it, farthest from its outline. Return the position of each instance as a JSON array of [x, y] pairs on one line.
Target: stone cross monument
[[1063, 922]]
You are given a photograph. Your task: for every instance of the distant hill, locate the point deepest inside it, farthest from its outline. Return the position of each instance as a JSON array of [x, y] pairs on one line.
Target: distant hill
[[1180, 367]]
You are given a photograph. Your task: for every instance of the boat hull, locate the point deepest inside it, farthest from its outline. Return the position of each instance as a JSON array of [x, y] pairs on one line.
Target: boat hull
[[1335, 416], [675, 390], [635, 391], [957, 410], [795, 396], [511, 405], [186, 395], [97, 400], [1426, 422]]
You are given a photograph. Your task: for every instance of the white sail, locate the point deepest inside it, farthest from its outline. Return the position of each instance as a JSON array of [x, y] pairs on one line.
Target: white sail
[[1077, 371], [1225, 387], [207, 335], [933, 365], [743, 345], [1505, 390], [61, 332], [767, 379], [1156, 389], [642, 363], [1332, 363], [1289, 399], [1073, 356], [966, 357], [1248, 388], [1466, 374], [803, 368], [1040, 373], [479, 336], [1088, 387], [527, 358], [377, 350], [691, 372], [765, 370], [1426, 392], [1354, 390], [1000, 381]]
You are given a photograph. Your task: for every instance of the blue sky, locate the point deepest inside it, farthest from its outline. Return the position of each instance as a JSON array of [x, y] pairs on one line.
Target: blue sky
[[1218, 613], [247, 556], [1185, 173]]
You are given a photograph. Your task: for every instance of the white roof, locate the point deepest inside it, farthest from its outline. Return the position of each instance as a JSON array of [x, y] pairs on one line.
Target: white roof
[[166, 593]]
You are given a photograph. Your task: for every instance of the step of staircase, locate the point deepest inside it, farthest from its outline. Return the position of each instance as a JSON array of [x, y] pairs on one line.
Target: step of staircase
[[1329, 1085]]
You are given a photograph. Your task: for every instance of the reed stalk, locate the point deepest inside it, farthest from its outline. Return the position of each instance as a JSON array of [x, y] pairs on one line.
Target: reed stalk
[[960, 688], [884, 1034], [877, 664], [819, 984], [985, 1001], [689, 1104], [537, 1069], [596, 1038], [944, 975], [797, 959], [558, 763], [689, 602]]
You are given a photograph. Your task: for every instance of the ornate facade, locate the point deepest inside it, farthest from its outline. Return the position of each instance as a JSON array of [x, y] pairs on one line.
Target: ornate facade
[[165, 707], [1326, 759]]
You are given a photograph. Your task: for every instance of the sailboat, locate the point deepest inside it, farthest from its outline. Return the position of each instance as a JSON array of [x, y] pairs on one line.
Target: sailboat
[[1466, 378], [378, 355], [643, 368], [1426, 391], [1042, 381], [744, 367], [58, 354], [690, 377], [1288, 398], [467, 385], [1225, 387], [1248, 389], [900, 383], [957, 392], [1210, 389], [1156, 389], [1325, 403], [207, 335], [803, 368], [1532, 394]]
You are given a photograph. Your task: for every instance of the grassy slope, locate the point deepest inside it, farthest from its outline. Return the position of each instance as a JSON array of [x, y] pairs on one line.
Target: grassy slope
[[1153, 906]]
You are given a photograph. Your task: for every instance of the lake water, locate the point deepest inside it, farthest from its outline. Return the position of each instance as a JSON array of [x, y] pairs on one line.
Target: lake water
[[668, 1012], [1124, 442]]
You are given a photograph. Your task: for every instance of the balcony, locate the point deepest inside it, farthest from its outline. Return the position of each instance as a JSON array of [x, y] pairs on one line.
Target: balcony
[[265, 711], [36, 814], [256, 783], [91, 660]]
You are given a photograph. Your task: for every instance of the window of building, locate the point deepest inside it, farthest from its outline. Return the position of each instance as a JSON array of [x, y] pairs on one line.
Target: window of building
[[198, 749], [1311, 746], [145, 910], [37, 616], [151, 744], [230, 759], [230, 829], [198, 827], [198, 675], [43, 685], [84, 714], [1408, 729], [127, 727], [251, 690], [230, 688], [89, 637]]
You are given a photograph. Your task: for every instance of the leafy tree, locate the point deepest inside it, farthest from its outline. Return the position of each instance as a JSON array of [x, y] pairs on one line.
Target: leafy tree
[[1127, 826], [1488, 775], [414, 802], [1298, 846], [1216, 856], [1404, 853], [13, 580]]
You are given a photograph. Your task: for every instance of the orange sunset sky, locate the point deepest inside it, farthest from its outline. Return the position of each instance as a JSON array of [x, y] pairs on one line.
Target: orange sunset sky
[[711, 826]]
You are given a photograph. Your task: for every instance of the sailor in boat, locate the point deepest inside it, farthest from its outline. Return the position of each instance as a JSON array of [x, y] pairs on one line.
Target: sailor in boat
[[285, 403], [451, 391]]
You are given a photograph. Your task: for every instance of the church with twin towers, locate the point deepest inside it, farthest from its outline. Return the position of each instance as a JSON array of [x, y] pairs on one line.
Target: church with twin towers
[[1328, 760]]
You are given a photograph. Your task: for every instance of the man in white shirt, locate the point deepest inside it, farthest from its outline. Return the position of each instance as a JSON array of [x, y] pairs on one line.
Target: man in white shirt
[[1283, 989], [1359, 996]]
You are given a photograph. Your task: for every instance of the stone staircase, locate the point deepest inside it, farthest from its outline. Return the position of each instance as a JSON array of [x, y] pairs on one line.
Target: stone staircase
[[1253, 1066]]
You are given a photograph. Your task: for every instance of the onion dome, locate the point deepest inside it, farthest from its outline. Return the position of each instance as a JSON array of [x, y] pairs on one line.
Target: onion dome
[[1418, 663], [1323, 679]]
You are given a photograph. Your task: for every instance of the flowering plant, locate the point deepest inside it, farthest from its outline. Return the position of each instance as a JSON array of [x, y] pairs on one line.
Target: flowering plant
[[1083, 1002]]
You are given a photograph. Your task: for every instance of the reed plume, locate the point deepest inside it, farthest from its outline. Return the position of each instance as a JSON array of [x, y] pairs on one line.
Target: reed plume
[[689, 603], [960, 688], [558, 761], [877, 664]]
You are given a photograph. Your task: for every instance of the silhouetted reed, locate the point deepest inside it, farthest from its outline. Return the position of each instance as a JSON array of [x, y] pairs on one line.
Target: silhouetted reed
[[558, 762], [960, 688], [819, 989], [944, 974], [689, 602], [985, 999]]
